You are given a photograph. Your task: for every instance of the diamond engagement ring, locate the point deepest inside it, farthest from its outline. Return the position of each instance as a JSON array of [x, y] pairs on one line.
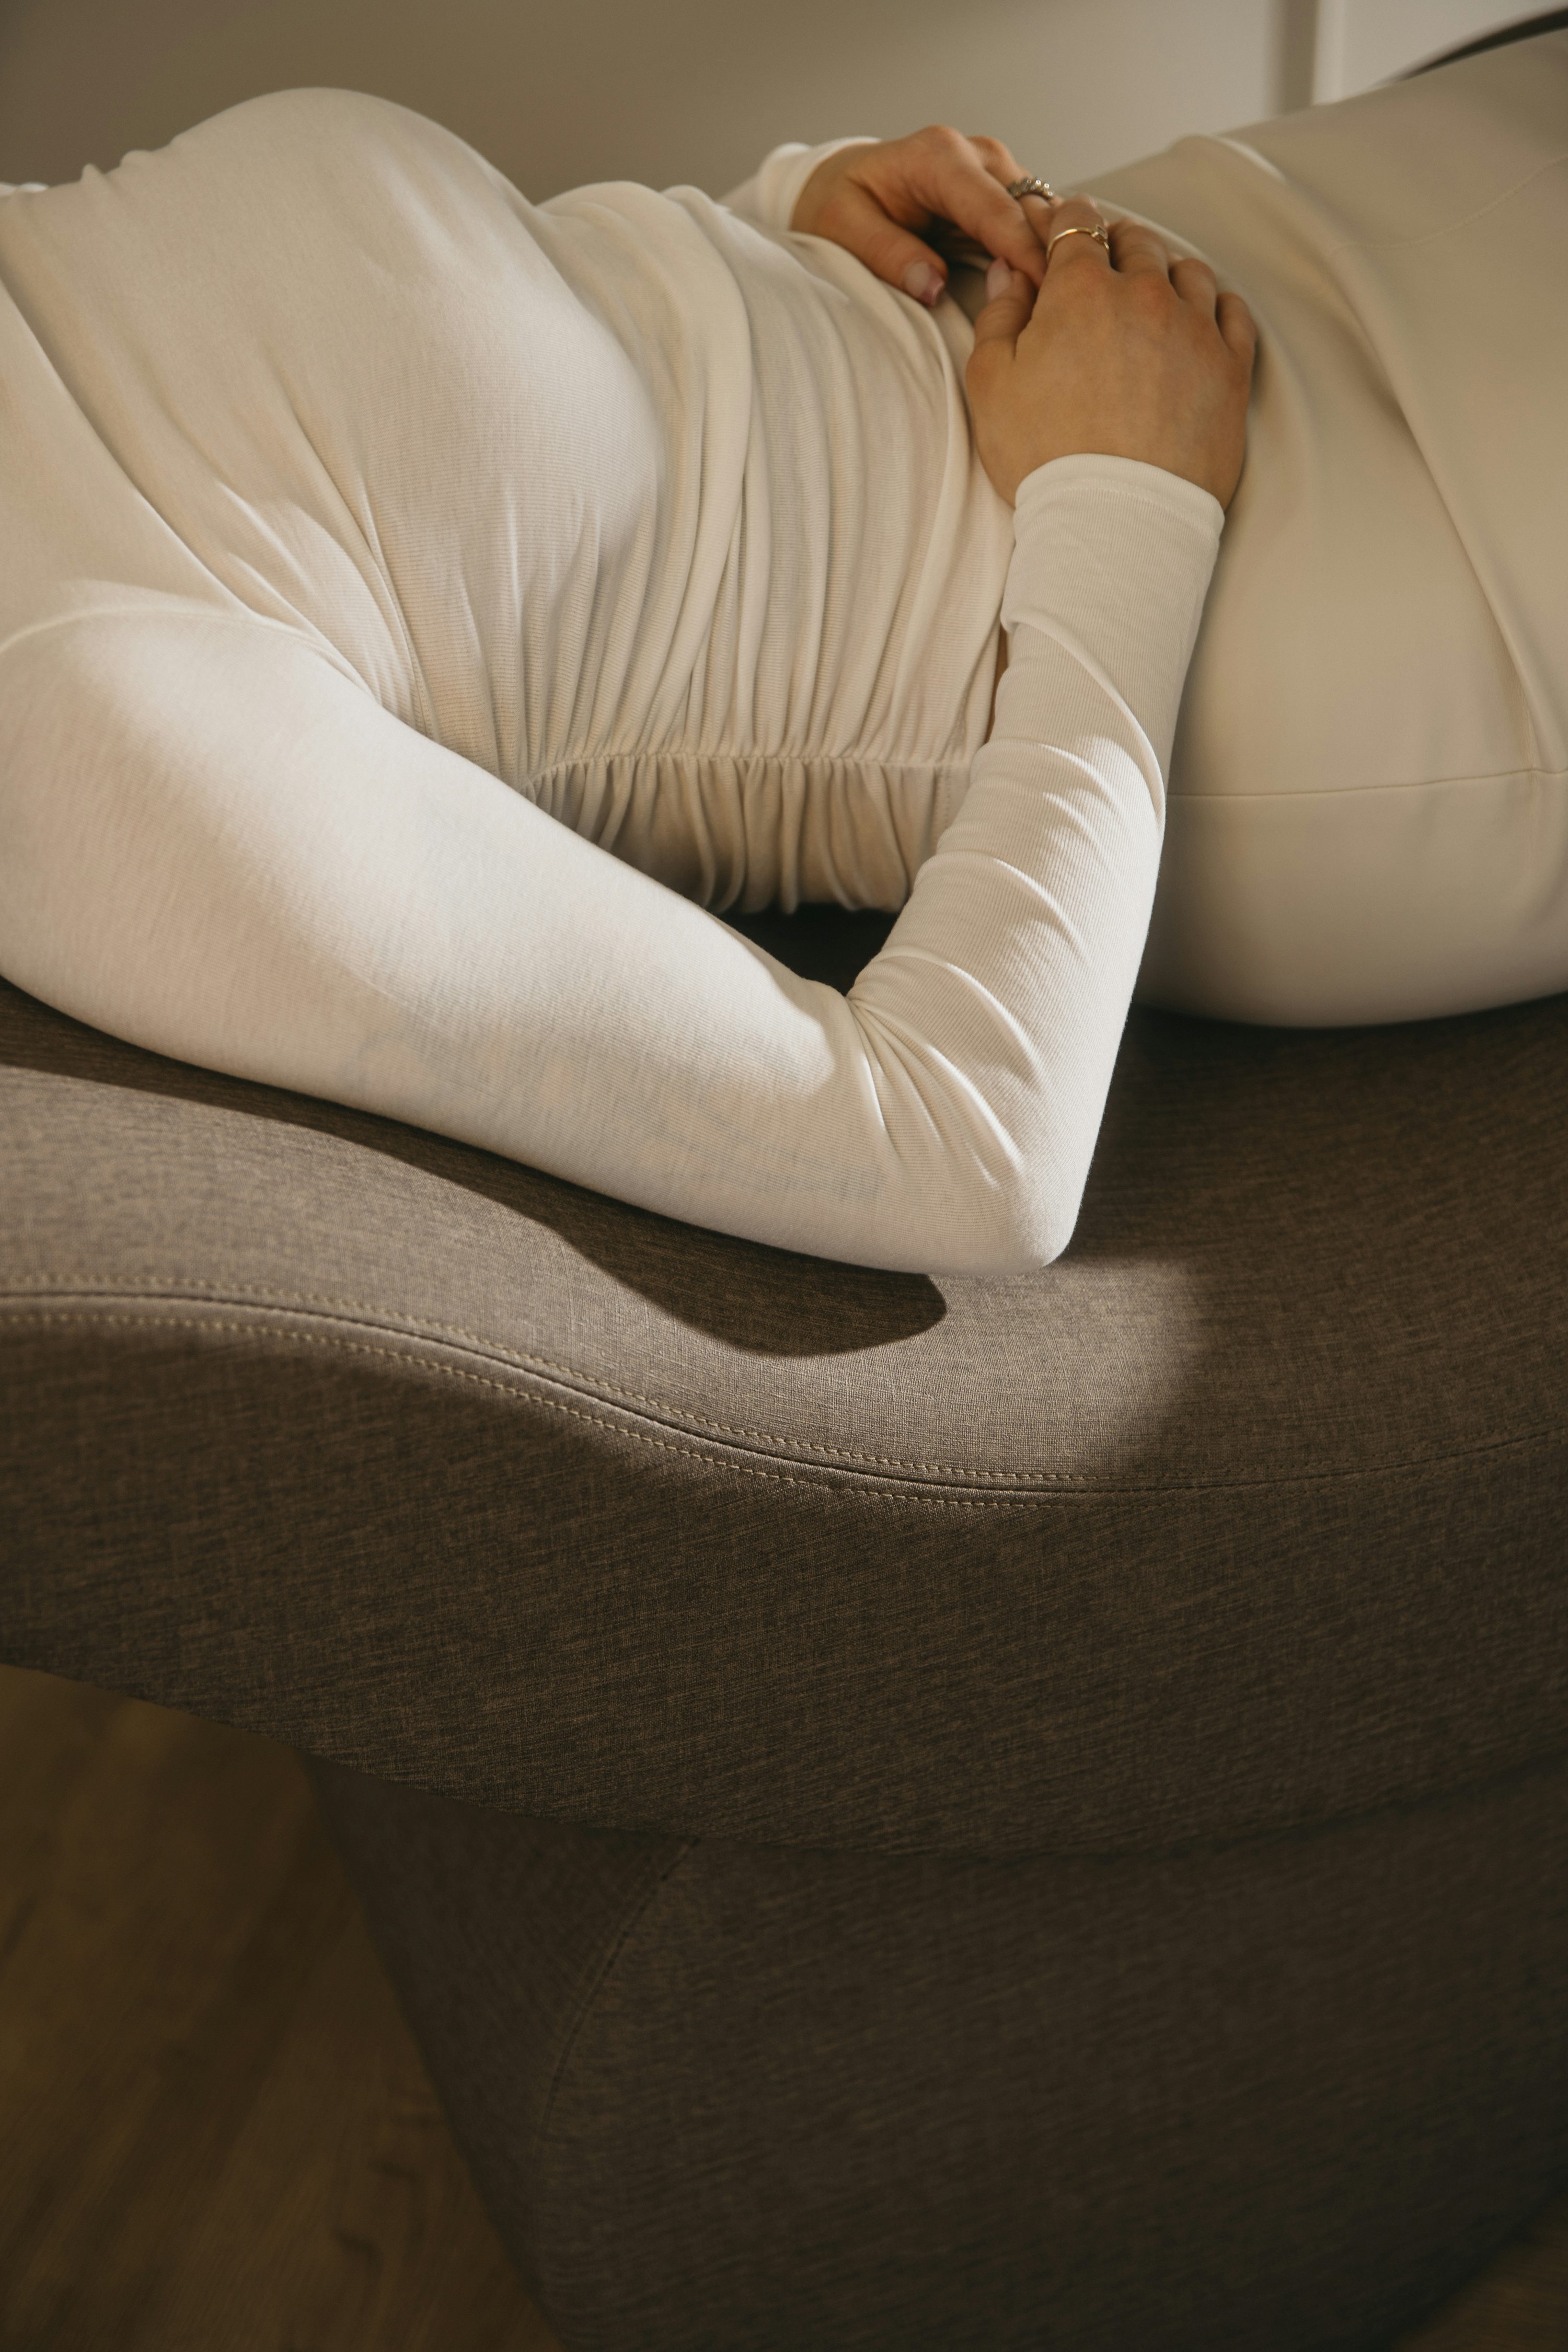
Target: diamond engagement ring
[[1029, 186], [1099, 233]]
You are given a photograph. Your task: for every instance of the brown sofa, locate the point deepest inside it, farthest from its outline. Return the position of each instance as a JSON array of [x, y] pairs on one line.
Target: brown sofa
[[904, 1813]]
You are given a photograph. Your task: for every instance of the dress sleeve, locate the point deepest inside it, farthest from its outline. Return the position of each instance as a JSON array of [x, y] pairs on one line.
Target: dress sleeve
[[993, 1016], [770, 196], [215, 842]]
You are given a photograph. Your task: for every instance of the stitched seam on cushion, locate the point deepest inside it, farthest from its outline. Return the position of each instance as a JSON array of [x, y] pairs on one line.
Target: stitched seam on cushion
[[283, 1302], [549, 1404], [607, 1964], [1084, 1491]]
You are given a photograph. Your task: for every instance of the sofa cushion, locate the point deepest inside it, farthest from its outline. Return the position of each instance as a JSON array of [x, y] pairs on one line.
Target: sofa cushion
[[1245, 1513]]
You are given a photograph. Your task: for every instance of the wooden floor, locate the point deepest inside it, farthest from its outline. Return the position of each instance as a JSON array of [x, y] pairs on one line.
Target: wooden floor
[[214, 2133]]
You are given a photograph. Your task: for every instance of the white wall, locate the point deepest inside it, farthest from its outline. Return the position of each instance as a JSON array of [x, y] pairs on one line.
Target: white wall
[[1360, 42], [559, 92]]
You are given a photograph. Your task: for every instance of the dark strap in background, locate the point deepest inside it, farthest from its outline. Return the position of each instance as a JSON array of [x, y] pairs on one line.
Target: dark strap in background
[[1551, 20]]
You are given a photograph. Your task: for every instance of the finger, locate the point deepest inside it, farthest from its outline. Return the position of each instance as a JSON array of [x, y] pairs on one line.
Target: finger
[[1009, 305], [1195, 282], [1136, 250], [857, 222], [1238, 326], [1040, 211], [998, 160], [951, 179], [1003, 166], [1068, 251]]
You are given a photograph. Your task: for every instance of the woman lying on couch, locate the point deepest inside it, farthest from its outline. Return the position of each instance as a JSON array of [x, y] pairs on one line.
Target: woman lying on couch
[[421, 607]]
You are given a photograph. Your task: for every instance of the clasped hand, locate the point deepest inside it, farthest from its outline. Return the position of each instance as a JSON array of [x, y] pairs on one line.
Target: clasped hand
[[1125, 351]]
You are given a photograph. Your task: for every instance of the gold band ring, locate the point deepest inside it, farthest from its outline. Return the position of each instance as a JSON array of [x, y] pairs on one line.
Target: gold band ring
[[1099, 233], [1029, 186]]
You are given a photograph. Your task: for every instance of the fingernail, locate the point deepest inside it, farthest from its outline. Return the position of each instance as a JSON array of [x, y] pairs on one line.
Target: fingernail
[[923, 282], [998, 277]]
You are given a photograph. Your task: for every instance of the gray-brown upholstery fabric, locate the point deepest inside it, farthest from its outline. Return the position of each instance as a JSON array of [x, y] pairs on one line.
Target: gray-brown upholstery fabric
[[1275, 2097], [1048, 1796], [1245, 1514]]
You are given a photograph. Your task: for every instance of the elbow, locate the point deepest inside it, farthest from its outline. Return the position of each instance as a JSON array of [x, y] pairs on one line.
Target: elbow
[[1025, 1249], [1014, 1230]]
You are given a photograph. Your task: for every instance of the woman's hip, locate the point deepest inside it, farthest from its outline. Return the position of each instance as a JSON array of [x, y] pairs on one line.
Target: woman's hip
[[1369, 809]]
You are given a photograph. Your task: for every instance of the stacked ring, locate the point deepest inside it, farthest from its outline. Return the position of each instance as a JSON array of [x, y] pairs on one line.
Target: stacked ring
[[1099, 233]]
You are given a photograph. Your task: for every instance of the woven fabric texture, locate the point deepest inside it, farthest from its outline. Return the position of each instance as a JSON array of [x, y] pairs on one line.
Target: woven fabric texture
[[1287, 2094], [1244, 1514]]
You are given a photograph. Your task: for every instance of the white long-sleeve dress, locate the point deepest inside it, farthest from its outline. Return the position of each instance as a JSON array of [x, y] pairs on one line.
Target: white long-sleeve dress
[[419, 608], [419, 603]]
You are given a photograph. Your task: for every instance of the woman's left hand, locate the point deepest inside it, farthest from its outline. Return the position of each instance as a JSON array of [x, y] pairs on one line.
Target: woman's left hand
[[875, 198]]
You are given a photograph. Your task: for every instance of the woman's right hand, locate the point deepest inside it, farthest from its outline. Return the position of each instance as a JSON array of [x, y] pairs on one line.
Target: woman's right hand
[[1126, 353]]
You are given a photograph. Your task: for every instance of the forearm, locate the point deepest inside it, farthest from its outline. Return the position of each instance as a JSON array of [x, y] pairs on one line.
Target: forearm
[[218, 845], [998, 1004], [943, 1116]]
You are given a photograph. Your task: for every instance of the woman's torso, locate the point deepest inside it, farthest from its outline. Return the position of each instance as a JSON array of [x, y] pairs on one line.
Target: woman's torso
[[673, 525]]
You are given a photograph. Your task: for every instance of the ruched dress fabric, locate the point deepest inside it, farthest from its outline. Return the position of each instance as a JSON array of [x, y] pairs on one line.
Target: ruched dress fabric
[[384, 552]]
